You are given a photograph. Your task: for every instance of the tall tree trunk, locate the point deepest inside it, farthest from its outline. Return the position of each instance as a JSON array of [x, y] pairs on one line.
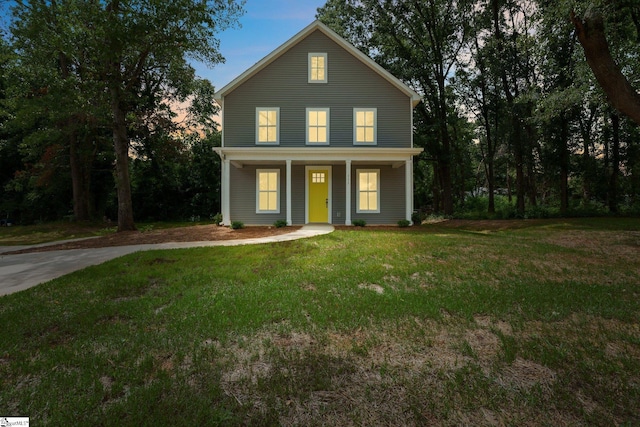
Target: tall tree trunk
[[436, 188], [78, 184], [509, 191], [491, 188], [532, 190], [585, 131], [516, 133], [121, 146], [78, 177], [445, 158], [615, 163], [564, 166], [520, 180]]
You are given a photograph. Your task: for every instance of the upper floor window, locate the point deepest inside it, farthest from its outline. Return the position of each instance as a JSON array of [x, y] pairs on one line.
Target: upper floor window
[[268, 125], [365, 126], [317, 126], [317, 68]]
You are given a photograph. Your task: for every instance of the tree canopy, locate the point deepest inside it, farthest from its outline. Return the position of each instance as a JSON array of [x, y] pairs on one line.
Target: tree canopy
[[530, 107], [115, 65], [510, 108]]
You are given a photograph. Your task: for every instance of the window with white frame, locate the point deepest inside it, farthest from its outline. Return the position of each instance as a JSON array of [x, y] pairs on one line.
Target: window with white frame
[[365, 126], [368, 191], [268, 125], [317, 67], [317, 126], [268, 191]]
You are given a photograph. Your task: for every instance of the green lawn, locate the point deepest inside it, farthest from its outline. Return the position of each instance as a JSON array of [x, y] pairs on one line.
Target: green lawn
[[530, 323]]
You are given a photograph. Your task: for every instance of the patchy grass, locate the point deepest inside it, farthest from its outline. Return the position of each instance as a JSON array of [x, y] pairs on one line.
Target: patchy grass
[[521, 323]]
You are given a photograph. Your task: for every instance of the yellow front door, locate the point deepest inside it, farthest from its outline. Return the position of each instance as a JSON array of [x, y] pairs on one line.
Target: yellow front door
[[318, 195]]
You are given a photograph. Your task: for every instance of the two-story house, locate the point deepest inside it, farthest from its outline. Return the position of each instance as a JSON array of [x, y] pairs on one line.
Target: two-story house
[[317, 132]]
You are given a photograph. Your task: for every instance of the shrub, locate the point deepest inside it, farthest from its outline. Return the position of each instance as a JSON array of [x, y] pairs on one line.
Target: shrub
[[280, 223], [217, 218], [359, 222], [418, 216], [235, 225], [404, 223]]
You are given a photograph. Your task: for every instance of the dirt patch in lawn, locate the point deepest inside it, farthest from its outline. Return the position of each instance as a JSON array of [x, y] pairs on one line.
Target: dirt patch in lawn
[[197, 233]]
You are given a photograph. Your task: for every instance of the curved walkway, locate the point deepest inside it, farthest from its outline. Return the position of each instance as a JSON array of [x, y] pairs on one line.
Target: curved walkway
[[22, 271]]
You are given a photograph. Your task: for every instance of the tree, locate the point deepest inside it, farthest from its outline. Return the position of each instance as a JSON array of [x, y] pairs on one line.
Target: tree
[[419, 42], [122, 51], [590, 30]]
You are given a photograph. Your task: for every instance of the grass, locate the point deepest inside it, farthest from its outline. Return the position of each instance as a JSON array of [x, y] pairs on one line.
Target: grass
[[530, 323]]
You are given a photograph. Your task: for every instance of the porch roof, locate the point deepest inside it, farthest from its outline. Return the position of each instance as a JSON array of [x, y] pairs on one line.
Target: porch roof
[[238, 156]]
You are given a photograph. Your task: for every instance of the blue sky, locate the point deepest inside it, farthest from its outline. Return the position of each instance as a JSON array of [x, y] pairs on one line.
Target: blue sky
[[265, 25]]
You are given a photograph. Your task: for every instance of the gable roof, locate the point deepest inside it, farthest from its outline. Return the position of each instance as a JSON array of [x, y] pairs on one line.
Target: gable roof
[[319, 26]]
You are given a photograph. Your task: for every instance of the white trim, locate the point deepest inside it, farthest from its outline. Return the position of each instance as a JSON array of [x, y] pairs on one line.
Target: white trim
[[329, 170], [326, 67], [411, 118], [317, 25], [408, 189], [358, 172], [288, 190], [226, 196], [258, 111], [375, 126], [222, 130], [347, 193], [312, 109], [381, 155], [273, 211]]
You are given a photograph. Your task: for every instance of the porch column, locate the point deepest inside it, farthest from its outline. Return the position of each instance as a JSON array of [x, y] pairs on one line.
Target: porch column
[[288, 191], [347, 193], [225, 189], [408, 185]]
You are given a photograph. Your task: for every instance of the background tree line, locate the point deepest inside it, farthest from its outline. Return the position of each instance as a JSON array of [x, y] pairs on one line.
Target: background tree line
[[102, 114], [513, 122]]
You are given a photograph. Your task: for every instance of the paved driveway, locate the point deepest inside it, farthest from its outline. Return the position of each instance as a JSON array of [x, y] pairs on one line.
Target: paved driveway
[[22, 271]]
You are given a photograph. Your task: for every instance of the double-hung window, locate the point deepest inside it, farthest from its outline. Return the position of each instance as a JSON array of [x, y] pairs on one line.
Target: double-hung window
[[368, 191], [317, 126], [317, 67], [365, 130], [268, 125], [268, 191]]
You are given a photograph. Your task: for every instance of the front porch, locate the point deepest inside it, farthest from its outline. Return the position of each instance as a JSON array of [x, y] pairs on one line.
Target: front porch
[[295, 194]]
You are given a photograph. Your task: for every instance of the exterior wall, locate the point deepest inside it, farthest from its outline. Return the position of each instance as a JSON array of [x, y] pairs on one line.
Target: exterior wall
[[243, 195], [284, 83], [338, 208], [392, 195], [297, 194]]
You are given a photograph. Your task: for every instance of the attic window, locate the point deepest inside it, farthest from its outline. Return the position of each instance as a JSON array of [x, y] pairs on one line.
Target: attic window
[[317, 68]]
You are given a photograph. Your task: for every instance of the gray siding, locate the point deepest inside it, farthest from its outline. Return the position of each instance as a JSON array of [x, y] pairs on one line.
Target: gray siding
[[297, 194], [338, 192], [351, 84], [392, 195], [243, 195]]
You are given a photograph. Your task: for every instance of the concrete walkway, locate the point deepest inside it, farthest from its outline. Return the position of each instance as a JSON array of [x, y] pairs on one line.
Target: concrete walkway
[[22, 271]]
